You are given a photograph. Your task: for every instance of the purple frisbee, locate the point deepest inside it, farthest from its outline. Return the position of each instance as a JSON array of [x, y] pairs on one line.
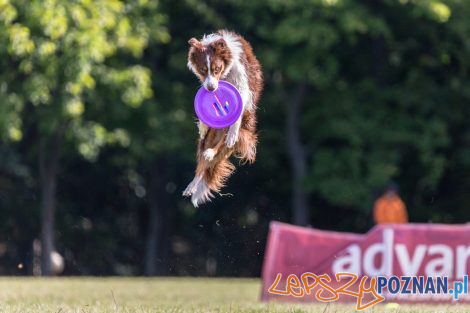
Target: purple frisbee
[[220, 108]]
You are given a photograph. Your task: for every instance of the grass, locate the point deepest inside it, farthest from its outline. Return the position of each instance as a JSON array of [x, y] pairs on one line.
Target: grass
[[166, 295]]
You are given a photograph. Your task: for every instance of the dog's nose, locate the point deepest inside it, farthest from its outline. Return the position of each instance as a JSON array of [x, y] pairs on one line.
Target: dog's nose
[[210, 87], [211, 84]]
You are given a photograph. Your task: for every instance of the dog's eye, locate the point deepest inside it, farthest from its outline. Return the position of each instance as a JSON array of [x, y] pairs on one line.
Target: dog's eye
[[204, 69], [217, 70]]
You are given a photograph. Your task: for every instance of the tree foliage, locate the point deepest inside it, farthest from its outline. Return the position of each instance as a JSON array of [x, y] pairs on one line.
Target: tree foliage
[[60, 57]]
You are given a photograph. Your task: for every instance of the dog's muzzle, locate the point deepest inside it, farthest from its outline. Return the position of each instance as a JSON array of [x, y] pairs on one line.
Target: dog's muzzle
[[211, 83]]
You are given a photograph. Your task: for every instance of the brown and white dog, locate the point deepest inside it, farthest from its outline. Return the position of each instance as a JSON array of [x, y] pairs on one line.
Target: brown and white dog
[[228, 56]]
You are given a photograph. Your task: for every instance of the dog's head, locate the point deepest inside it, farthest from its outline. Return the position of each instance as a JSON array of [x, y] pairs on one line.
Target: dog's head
[[209, 62]]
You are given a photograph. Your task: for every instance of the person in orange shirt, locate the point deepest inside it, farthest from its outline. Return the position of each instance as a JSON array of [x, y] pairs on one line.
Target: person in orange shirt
[[389, 208]]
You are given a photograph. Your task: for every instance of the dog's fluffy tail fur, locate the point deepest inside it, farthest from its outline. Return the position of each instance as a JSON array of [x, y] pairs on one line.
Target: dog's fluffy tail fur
[[213, 178], [212, 174]]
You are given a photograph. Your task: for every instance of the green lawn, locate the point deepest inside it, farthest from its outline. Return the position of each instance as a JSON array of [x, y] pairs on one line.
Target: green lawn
[[83, 295]]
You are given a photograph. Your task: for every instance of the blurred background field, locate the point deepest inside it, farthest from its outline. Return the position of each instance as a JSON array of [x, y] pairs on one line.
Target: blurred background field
[[165, 295], [98, 131]]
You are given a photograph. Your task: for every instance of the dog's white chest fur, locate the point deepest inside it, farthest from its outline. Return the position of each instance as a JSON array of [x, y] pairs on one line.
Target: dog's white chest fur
[[237, 77], [236, 73]]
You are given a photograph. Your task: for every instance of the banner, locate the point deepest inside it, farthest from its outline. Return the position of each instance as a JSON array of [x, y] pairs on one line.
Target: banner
[[409, 262]]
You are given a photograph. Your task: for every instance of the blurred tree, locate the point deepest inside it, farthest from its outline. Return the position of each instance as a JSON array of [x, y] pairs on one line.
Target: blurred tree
[[59, 76]]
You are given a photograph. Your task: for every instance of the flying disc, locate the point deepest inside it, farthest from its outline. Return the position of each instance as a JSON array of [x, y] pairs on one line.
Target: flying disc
[[219, 108]]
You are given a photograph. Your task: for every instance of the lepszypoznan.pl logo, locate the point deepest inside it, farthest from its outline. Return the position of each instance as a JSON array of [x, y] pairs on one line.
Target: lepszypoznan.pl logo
[[380, 287]]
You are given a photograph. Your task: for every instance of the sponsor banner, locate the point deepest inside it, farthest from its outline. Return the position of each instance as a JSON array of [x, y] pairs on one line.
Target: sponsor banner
[[427, 261]]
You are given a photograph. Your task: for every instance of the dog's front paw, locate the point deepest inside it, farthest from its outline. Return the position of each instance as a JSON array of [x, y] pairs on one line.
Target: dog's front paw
[[203, 128], [209, 154], [232, 137]]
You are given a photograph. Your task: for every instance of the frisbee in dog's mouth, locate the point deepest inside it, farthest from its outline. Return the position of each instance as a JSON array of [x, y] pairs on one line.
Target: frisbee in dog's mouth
[[219, 108]]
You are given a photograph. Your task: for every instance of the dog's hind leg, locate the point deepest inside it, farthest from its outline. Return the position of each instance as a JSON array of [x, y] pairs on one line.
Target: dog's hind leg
[[192, 186], [246, 146], [202, 194]]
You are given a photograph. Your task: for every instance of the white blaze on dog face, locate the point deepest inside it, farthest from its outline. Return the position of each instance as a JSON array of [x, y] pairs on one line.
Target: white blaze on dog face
[[211, 83]]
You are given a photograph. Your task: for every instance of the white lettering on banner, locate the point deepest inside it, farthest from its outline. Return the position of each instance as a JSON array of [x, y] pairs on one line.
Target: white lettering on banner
[[445, 262], [385, 249], [350, 263], [410, 267], [441, 263]]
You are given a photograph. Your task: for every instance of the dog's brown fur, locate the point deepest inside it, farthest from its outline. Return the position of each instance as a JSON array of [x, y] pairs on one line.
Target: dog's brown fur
[[215, 172]]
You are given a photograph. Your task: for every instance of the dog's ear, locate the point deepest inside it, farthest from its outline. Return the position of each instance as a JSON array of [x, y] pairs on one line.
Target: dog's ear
[[222, 50], [193, 42]]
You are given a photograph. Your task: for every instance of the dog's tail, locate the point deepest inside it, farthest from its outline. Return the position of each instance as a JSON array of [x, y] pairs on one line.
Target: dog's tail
[[214, 179], [213, 167], [210, 177]]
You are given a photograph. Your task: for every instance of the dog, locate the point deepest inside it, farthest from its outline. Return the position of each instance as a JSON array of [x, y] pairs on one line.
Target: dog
[[228, 56]]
